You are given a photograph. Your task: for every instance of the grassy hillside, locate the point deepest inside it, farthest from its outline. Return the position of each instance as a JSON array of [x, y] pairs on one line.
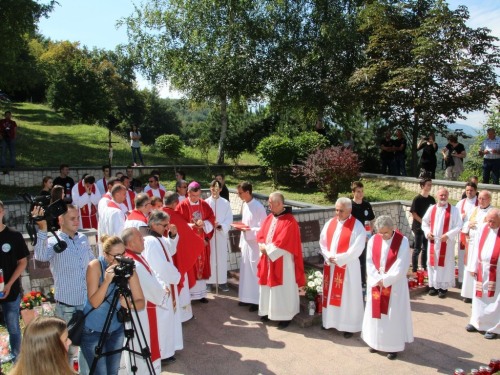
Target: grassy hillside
[[47, 139]]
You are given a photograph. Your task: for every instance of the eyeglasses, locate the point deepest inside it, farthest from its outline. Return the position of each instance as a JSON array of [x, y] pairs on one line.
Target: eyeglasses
[[183, 187], [164, 225], [117, 255], [151, 181]]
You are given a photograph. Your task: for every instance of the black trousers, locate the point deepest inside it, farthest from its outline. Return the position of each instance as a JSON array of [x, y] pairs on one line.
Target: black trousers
[[419, 246]]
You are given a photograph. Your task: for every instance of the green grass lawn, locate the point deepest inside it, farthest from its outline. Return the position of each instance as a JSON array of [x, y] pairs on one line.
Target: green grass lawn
[[45, 138]]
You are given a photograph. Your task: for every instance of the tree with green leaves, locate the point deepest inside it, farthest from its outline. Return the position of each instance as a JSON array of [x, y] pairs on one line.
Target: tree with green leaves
[[212, 51], [424, 66]]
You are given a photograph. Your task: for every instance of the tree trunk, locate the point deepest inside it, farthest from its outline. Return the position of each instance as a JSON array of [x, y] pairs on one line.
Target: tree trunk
[[223, 130], [414, 143]]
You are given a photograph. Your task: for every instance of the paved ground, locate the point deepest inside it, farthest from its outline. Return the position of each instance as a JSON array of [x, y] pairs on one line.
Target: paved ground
[[227, 339]]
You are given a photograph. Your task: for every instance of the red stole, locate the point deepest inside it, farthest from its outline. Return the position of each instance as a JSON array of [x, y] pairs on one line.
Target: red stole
[[381, 298], [131, 197], [113, 204], [492, 279], [89, 218], [337, 286], [150, 193], [172, 286], [151, 311], [137, 215], [108, 196], [463, 241], [446, 227]]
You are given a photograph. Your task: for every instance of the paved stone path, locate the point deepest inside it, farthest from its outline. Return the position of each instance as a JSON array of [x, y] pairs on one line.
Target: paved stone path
[[225, 338]]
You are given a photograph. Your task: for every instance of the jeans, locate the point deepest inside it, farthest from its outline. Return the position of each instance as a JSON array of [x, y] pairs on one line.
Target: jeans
[[138, 149], [491, 166], [387, 166], [419, 246], [66, 313], [399, 161], [11, 315], [11, 145], [114, 341]]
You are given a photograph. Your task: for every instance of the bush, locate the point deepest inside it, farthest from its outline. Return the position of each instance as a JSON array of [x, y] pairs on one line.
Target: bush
[[308, 142], [276, 152], [333, 169], [171, 146]]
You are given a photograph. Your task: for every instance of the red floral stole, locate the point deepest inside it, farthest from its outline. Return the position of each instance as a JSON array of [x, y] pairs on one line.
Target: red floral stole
[[200, 262], [492, 279], [151, 311], [85, 209], [337, 285], [381, 297], [446, 227], [463, 240], [172, 286]]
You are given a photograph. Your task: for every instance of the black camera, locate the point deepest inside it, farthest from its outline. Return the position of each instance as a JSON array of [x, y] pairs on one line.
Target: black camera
[[426, 138], [50, 212], [124, 270]]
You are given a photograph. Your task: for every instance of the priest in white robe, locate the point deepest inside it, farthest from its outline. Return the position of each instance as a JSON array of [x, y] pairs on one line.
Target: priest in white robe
[[473, 221], [138, 217], [219, 242], [253, 216], [281, 266], [104, 200], [112, 219], [158, 251], [342, 241], [441, 225], [485, 268], [86, 197], [387, 324], [157, 295], [465, 206]]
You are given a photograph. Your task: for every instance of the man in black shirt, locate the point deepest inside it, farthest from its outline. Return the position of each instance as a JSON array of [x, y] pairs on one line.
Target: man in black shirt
[[387, 154], [400, 153], [66, 182], [362, 210], [13, 261], [418, 209]]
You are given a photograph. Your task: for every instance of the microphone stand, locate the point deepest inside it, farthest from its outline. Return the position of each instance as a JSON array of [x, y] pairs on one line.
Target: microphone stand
[[216, 197]]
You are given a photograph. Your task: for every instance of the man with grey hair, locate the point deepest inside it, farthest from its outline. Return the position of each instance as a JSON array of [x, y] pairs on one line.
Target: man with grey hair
[[138, 216], [281, 267], [387, 324], [158, 253], [342, 241], [473, 220], [441, 225], [485, 268]]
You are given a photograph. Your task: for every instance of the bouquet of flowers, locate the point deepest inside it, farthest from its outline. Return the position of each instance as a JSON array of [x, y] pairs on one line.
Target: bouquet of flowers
[[314, 283], [31, 300]]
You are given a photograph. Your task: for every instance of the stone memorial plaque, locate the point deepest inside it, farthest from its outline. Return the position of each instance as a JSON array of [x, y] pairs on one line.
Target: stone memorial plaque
[[309, 231], [37, 269], [234, 240]]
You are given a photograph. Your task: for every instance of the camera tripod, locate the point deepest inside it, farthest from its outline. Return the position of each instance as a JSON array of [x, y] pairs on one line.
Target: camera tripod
[[124, 290]]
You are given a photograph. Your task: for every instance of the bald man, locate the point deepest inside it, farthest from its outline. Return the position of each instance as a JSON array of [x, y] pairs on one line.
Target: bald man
[[484, 267], [441, 225]]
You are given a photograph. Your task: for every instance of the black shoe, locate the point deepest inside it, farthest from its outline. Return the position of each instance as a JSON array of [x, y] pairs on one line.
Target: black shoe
[[371, 350], [433, 292], [392, 356], [490, 335], [442, 293], [467, 300], [243, 304], [264, 318], [204, 300], [284, 324], [253, 308], [323, 328], [347, 335], [470, 328], [168, 361]]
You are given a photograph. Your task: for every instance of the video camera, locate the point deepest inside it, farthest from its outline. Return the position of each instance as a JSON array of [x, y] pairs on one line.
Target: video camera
[[124, 270], [50, 212]]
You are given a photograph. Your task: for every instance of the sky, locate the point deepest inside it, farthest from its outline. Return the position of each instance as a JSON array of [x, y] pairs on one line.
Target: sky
[[93, 23]]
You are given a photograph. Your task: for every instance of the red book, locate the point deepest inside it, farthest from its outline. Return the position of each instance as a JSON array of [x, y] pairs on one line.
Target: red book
[[240, 226]]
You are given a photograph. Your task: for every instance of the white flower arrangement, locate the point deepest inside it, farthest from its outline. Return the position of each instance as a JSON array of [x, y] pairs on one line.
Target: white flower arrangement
[[314, 284]]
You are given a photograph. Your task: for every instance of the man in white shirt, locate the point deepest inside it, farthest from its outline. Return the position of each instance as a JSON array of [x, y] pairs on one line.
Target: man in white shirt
[[490, 150], [153, 189], [253, 216], [158, 186], [102, 184]]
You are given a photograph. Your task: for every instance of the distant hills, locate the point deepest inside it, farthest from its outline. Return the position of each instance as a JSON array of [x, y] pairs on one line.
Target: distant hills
[[467, 129]]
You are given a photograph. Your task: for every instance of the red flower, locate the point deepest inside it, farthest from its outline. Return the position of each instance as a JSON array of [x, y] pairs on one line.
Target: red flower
[[33, 294], [25, 299], [38, 294], [43, 300]]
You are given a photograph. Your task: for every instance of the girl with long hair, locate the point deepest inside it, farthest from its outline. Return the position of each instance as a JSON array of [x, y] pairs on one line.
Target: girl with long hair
[[46, 185], [44, 349]]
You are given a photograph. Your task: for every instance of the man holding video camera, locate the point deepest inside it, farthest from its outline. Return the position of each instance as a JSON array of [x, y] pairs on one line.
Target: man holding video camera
[[69, 267]]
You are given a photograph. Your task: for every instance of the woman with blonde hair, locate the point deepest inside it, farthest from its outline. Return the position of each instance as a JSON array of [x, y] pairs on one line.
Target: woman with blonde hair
[[44, 349], [101, 288]]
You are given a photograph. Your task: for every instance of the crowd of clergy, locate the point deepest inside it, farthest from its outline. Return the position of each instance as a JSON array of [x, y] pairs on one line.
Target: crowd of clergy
[[183, 245]]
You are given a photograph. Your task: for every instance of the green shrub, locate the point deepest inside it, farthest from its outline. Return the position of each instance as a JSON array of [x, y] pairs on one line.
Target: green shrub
[[171, 146]]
